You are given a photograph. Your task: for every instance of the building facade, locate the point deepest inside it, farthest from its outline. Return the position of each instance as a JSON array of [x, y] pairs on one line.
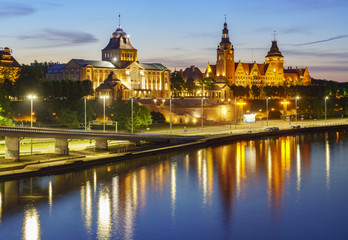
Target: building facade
[[271, 72], [9, 67], [119, 57]]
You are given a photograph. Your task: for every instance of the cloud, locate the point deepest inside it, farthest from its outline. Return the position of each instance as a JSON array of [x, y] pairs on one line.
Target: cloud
[[329, 68], [321, 41], [317, 54], [61, 38], [15, 9]]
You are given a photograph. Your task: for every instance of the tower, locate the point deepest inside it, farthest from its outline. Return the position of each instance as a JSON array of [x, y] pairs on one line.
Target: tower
[[119, 51], [275, 60], [225, 57]]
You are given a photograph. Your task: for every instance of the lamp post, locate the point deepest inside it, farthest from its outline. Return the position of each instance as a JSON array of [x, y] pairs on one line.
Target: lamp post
[[296, 99], [31, 97], [104, 97], [155, 103], [285, 105], [202, 105], [267, 111], [235, 113], [132, 115], [170, 115], [85, 98], [326, 98]]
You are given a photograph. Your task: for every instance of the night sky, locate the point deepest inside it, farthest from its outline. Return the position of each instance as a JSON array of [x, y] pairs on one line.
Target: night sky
[[178, 34]]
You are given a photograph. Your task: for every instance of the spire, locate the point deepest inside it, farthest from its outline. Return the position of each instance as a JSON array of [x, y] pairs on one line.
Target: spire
[[274, 50], [119, 19], [274, 38]]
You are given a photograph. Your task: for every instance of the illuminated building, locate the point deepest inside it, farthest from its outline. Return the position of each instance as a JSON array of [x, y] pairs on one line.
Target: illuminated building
[[9, 67], [271, 72], [119, 63]]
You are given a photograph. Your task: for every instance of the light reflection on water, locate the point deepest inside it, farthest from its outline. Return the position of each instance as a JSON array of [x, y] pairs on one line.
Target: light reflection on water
[[216, 191]]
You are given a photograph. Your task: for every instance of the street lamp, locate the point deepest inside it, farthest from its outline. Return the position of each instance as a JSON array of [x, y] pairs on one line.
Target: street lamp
[[285, 105], [85, 98], [104, 97], [267, 111], [31, 97], [296, 99], [132, 99], [170, 115], [235, 113], [155, 101], [326, 98], [202, 105]]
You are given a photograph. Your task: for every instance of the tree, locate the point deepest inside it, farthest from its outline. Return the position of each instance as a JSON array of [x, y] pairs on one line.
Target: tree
[[255, 91], [122, 114], [177, 83], [29, 81], [206, 83], [68, 118]]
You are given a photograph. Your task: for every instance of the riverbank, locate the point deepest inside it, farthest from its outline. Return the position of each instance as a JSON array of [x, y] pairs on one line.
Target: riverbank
[[48, 164]]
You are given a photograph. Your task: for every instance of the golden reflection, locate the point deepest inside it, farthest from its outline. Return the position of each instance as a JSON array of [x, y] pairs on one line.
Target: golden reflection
[[104, 215], [115, 200], [251, 163], [327, 154], [269, 171], [31, 225], [173, 170], [95, 181], [210, 164], [240, 166], [129, 217], [205, 179], [298, 165], [187, 164], [288, 157], [199, 167], [142, 186], [88, 213], [134, 189], [50, 195]]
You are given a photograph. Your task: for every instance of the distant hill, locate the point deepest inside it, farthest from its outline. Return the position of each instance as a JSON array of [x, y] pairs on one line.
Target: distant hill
[[328, 82]]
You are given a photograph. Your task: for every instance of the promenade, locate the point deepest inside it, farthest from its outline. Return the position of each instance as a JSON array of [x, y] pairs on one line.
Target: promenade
[[82, 155]]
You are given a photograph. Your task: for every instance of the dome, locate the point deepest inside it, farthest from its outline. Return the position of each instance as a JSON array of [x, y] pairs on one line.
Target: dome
[[119, 33]]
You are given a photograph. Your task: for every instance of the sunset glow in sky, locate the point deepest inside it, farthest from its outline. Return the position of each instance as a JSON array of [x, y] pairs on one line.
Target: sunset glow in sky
[[178, 34]]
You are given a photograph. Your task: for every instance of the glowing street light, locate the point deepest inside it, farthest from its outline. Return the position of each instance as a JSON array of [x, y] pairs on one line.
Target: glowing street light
[[285, 107], [296, 99], [31, 97], [104, 97], [326, 98]]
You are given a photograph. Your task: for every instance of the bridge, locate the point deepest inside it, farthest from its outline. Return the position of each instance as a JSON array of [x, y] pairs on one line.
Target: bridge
[[13, 134]]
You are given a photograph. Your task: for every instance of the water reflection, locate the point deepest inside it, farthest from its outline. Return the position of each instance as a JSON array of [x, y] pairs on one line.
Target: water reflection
[[327, 155], [31, 225], [114, 198], [104, 215]]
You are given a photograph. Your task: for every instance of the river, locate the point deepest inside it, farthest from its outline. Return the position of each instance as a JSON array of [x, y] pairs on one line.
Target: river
[[292, 187]]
